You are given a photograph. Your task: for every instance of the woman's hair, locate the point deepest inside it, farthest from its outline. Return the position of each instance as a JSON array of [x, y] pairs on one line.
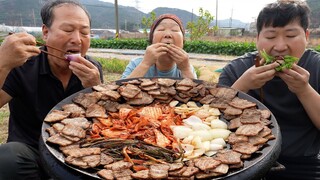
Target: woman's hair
[[162, 17], [283, 12], [47, 10]]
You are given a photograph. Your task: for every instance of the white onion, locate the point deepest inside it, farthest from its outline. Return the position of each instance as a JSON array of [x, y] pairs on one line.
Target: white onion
[[220, 141], [205, 135], [181, 132], [215, 147], [219, 133], [218, 124]]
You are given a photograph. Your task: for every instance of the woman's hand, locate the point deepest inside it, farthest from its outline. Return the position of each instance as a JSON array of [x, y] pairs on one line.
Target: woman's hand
[[153, 52]]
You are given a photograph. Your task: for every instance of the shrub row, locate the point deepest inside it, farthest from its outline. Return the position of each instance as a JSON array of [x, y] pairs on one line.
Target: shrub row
[[203, 47]]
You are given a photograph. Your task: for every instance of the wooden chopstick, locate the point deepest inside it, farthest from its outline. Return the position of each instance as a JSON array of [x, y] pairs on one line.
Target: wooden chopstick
[[52, 54], [42, 44]]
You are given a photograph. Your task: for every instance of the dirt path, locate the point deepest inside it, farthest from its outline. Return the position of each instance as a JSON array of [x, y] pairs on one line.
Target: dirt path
[[206, 63]]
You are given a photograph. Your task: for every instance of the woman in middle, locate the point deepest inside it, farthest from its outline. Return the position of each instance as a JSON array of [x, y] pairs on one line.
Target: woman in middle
[[165, 56]]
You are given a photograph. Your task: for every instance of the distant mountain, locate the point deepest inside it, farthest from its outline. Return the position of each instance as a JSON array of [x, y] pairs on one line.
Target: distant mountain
[[27, 13]]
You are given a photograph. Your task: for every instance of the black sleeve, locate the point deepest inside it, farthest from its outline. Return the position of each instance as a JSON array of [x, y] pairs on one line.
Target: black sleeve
[[234, 70]]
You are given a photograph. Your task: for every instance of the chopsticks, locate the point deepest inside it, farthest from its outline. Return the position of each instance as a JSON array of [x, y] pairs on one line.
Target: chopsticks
[[42, 44]]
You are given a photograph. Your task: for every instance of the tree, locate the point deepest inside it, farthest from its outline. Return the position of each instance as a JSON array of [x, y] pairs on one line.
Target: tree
[[147, 22], [202, 26]]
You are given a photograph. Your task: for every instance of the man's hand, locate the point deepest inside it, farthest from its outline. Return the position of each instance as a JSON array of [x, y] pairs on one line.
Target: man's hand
[[87, 72], [296, 78], [16, 49], [255, 77]]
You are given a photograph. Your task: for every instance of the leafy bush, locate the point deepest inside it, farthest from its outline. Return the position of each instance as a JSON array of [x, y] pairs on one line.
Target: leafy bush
[[204, 47]]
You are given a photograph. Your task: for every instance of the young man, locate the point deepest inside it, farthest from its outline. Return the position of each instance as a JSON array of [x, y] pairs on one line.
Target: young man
[[165, 56], [291, 94], [33, 86]]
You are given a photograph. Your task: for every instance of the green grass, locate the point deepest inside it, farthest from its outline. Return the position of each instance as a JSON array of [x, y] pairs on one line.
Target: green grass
[[3, 115], [113, 65]]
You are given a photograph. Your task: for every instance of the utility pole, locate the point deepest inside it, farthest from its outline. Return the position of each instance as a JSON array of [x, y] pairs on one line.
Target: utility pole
[[216, 13], [34, 18], [117, 18]]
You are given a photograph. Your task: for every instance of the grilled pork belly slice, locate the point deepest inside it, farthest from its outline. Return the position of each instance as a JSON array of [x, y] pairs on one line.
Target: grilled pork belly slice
[[56, 116], [228, 156], [166, 82], [81, 152], [265, 132], [119, 165], [129, 90], [145, 100], [204, 175], [75, 131], [110, 106], [95, 110], [110, 94], [242, 103], [58, 139], [84, 162], [220, 103], [106, 174], [106, 159], [183, 88], [190, 171], [143, 174], [257, 140], [78, 121], [232, 111], [187, 82], [86, 99], [74, 109], [221, 169], [265, 113], [178, 172], [104, 87], [123, 174], [71, 138], [245, 148], [168, 90], [51, 131], [249, 129], [225, 93], [234, 123], [250, 116], [233, 138], [147, 82], [159, 171], [207, 163], [175, 166]]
